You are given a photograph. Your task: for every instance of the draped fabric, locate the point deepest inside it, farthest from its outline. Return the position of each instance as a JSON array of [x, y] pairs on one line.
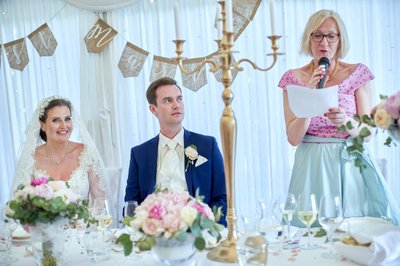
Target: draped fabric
[[115, 109]]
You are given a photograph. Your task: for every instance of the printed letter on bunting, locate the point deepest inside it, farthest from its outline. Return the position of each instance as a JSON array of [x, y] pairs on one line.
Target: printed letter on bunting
[[162, 67], [43, 40], [17, 54], [99, 37], [196, 80], [132, 60]]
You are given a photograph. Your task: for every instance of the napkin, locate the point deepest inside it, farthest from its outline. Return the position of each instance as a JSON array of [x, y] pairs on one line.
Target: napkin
[[384, 245]]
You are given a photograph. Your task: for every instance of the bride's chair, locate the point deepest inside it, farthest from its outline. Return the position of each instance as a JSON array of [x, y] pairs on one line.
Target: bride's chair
[[114, 178]]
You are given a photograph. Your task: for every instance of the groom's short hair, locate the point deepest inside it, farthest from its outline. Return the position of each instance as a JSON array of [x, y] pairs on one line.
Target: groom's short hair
[[151, 93]]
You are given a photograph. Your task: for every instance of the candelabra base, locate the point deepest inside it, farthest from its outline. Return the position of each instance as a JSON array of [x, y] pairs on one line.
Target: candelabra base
[[225, 252]]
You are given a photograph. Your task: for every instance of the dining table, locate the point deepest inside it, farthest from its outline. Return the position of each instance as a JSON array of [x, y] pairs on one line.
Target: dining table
[[75, 254]]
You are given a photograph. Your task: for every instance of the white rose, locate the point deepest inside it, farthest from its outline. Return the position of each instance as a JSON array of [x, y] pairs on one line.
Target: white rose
[[139, 218], [382, 118], [57, 185], [191, 153], [67, 195], [188, 214]]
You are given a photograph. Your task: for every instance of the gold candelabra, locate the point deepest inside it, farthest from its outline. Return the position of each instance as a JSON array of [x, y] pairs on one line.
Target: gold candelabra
[[226, 250]]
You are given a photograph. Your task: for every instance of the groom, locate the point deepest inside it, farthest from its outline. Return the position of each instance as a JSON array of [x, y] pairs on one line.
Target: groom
[[169, 160]]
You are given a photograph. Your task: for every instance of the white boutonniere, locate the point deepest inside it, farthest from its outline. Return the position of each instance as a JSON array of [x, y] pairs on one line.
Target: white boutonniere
[[193, 155]]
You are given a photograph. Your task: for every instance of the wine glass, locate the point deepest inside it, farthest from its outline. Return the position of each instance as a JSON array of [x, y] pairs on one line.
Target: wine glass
[[7, 227], [330, 218], [129, 211], [307, 212], [288, 209], [101, 212]]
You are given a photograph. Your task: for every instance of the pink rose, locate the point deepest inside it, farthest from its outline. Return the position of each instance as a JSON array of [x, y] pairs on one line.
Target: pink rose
[[157, 211], [152, 227], [39, 181], [171, 221], [392, 105], [44, 191]]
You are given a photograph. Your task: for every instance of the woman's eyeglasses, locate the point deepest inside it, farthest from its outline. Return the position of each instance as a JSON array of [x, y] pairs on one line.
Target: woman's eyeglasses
[[318, 37]]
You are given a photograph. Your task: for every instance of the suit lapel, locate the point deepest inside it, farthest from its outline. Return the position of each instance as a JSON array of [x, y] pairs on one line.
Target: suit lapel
[[152, 155], [190, 173]]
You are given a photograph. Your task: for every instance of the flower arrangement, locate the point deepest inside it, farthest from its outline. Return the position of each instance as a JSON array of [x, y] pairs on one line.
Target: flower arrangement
[[385, 115], [172, 215], [192, 154], [43, 200]]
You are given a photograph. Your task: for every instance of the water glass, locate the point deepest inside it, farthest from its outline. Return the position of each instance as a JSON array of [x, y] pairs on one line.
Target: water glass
[[101, 212], [98, 243], [7, 227], [252, 249], [330, 218]]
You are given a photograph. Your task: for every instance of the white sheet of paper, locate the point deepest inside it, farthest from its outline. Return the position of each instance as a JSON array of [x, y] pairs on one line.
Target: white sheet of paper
[[306, 102]]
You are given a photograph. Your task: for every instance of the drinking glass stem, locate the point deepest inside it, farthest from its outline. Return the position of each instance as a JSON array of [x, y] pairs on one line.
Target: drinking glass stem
[[288, 230], [309, 238], [330, 235]]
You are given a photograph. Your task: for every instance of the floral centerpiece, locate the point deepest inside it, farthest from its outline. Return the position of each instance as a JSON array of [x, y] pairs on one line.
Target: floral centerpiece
[[385, 116], [173, 216], [42, 206]]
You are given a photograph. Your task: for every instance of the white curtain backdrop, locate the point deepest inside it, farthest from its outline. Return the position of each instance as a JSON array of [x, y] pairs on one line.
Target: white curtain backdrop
[[115, 108]]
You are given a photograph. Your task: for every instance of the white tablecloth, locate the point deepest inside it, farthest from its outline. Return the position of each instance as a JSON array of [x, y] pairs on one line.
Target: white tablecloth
[[74, 255]]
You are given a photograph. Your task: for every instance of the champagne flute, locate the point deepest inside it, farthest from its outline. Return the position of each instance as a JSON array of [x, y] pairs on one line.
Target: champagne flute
[[288, 209], [307, 212], [330, 217]]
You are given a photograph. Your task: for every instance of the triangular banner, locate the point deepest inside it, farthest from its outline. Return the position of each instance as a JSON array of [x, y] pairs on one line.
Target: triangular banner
[[132, 60], [99, 36], [196, 80], [162, 67], [43, 40], [17, 54]]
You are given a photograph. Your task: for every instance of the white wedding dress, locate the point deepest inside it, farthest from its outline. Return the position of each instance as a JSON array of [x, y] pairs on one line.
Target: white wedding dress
[[85, 180]]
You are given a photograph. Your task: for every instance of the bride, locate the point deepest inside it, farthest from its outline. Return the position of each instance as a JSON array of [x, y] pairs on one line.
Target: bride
[[48, 151]]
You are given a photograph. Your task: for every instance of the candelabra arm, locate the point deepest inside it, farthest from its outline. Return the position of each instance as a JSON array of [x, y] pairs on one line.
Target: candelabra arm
[[274, 40], [214, 66]]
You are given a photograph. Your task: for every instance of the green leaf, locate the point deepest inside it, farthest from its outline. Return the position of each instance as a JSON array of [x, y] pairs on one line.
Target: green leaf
[[125, 240], [320, 233], [364, 132], [181, 236], [388, 141], [206, 223], [200, 243]]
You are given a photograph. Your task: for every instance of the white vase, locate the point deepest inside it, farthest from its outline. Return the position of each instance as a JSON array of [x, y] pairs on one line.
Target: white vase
[[48, 243], [173, 251]]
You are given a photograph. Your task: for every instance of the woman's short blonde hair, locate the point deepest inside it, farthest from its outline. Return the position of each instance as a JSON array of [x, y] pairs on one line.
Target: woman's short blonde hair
[[314, 22]]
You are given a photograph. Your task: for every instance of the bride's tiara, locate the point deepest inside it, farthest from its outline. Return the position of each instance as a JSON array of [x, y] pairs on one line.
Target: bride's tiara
[[45, 102]]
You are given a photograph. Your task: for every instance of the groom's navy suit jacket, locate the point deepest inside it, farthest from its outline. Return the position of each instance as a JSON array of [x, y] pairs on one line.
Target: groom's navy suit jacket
[[208, 177]]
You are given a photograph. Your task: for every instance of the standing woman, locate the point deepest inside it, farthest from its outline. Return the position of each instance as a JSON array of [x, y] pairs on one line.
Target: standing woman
[[322, 164], [48, 151]]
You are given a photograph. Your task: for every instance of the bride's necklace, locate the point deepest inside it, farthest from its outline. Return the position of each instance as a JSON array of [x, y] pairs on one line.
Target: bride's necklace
[[50, 156], [312, 67]]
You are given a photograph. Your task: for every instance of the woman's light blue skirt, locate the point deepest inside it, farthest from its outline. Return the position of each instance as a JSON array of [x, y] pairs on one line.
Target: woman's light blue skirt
[[323, 166]]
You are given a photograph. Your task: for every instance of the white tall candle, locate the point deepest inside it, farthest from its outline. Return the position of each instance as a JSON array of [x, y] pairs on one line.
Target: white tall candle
[[272, 16], [228, 15], [177, 19], [219, 22]]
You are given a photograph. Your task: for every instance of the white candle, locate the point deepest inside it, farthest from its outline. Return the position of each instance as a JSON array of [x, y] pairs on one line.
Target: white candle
[[219, 22], [228, 15], [271, 14], [177, 19]]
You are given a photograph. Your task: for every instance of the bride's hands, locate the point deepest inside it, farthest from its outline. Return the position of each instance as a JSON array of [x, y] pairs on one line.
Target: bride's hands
[[316, 76], [337, 116]]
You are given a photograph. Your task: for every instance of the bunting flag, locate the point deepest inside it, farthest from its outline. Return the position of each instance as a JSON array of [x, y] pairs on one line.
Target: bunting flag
[[196, 80], [99, 36], [43, 40], [17, 54], [218, 73], [162, 67], [243, 12], [132, 60]]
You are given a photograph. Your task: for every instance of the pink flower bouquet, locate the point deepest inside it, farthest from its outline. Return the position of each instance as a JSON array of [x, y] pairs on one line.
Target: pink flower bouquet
[[43, 200], [172, 215]]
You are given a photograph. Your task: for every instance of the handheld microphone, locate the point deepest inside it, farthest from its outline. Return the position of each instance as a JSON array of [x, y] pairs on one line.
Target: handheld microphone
[[323, 61]]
